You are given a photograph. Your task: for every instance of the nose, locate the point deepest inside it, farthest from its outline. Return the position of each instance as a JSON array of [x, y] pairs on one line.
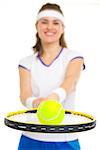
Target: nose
[[50, 25]]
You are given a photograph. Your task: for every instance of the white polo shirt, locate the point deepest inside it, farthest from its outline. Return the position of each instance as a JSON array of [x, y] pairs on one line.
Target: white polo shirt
[[45, 78]]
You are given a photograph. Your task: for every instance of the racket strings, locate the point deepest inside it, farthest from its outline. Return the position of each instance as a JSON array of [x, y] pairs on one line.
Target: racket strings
[[32, 118]]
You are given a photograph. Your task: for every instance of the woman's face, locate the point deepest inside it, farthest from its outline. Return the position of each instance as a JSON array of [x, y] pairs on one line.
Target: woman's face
[[49, 29]]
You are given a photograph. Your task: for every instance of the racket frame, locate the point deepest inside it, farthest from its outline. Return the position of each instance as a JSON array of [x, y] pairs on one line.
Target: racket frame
[[61, 128]]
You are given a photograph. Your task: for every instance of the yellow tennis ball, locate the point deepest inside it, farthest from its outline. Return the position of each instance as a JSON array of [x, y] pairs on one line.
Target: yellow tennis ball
[[50, 112]]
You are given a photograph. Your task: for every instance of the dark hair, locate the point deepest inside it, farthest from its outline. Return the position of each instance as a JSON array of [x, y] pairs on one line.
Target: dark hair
[[37, 46]]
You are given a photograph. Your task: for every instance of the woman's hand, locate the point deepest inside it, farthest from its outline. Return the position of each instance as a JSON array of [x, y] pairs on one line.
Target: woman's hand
[[37, 102], [53, 96]]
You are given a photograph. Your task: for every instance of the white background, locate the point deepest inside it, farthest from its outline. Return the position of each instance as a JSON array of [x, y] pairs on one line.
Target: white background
[[17, 36]]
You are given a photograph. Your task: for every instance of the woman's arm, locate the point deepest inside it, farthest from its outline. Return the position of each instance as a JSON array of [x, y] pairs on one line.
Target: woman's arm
[[25, 84], [26, 89], [71, 77]]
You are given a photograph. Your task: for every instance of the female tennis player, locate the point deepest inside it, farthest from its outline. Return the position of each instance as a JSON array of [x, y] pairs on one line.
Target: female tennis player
[[51, 72]]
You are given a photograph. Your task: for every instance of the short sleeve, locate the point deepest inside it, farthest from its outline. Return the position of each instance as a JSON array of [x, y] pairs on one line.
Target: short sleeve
[[76, 55], [26, 63]]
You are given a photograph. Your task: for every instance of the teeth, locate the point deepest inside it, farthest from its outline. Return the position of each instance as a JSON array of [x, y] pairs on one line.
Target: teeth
[[49, 33]]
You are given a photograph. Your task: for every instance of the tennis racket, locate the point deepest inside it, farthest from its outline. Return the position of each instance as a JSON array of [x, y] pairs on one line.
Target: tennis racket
[[26, 120]]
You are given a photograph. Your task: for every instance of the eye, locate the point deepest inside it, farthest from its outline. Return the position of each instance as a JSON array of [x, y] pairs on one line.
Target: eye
[[44, 22], [56, 23]]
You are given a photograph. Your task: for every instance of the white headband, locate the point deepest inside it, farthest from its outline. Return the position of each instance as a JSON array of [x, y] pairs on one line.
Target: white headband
[[50, 13]]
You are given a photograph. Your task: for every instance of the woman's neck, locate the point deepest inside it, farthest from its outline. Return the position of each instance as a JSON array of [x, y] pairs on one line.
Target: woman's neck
[[51, 50]]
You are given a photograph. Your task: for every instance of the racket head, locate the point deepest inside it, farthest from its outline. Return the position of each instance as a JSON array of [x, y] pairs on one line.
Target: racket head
[[26, 120]]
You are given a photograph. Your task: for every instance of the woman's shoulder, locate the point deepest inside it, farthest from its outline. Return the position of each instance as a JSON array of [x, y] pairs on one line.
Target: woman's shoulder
[[29, 58], [27, 61], [70, 53]]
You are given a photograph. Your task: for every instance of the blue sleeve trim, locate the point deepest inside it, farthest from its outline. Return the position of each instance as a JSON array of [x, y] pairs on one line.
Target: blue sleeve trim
[[77, 57], [23, 67]]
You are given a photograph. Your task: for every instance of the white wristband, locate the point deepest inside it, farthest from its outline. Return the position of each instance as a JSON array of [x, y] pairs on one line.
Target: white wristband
[[29, 102], [61, 94]]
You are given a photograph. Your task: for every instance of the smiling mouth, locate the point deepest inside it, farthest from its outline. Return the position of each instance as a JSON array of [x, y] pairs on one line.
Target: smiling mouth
[[49, 33]]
